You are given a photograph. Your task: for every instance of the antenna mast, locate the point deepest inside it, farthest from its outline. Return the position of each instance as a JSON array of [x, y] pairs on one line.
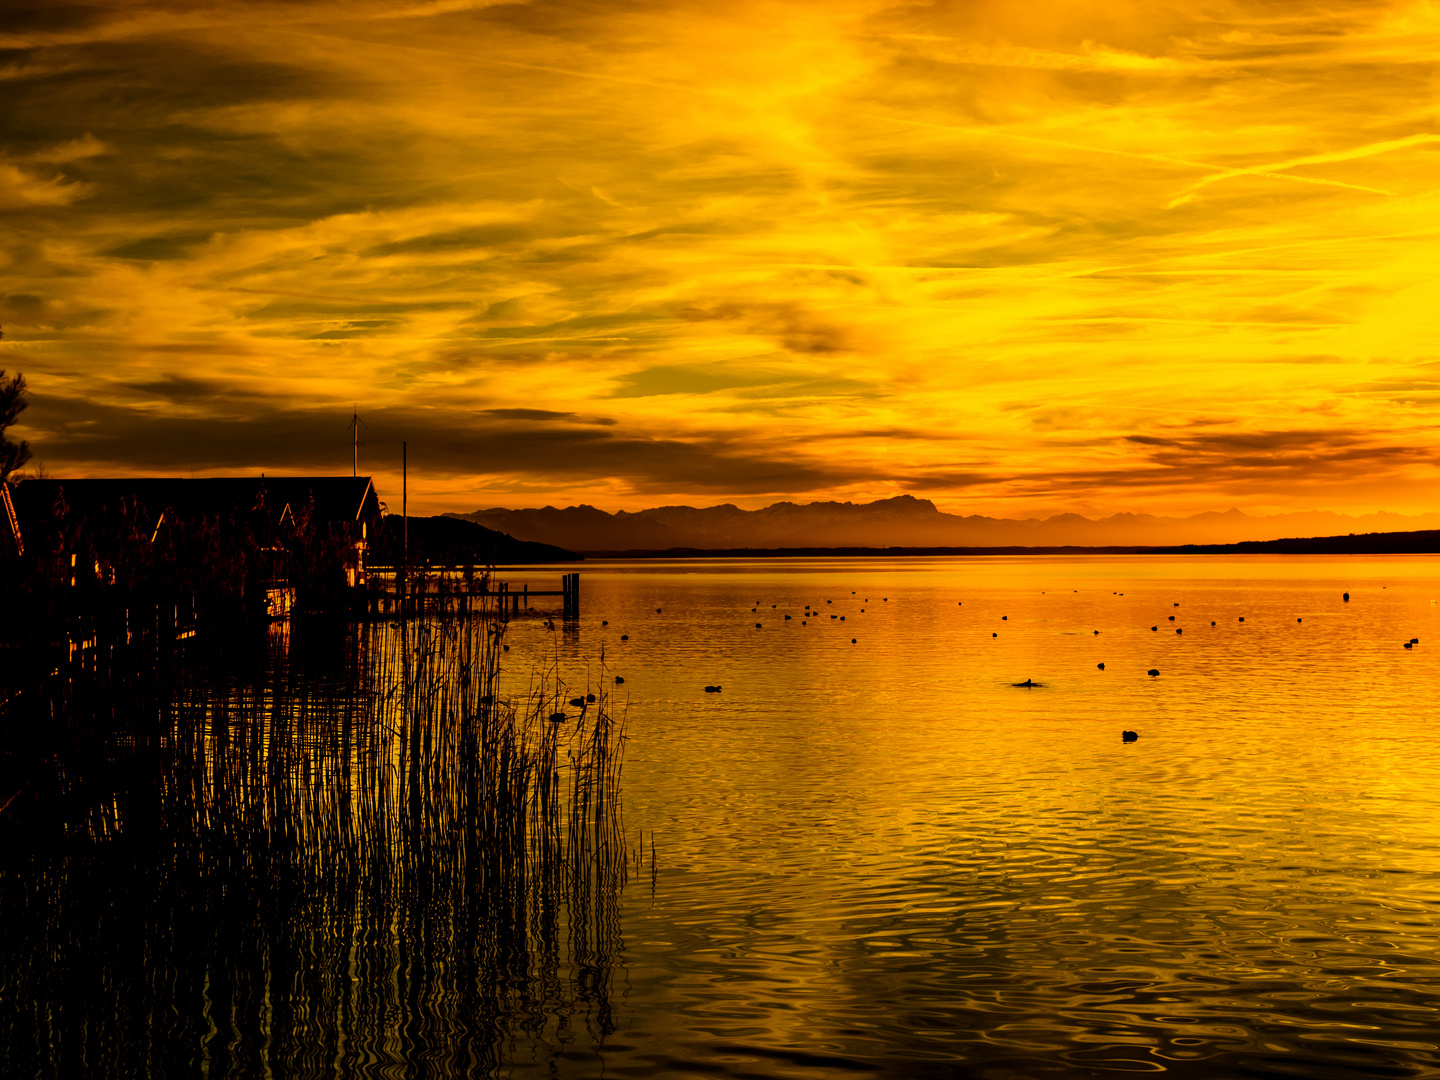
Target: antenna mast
[[355, 426]]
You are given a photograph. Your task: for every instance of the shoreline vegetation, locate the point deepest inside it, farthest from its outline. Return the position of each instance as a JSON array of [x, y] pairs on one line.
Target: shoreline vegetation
[[210, 847], [1420, 542]]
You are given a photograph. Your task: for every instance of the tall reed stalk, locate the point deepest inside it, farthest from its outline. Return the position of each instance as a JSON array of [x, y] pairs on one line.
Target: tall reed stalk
[[365, 857]]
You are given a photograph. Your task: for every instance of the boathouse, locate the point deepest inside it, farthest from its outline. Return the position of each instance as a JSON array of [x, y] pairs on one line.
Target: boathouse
[[346, 502], [92, 522]]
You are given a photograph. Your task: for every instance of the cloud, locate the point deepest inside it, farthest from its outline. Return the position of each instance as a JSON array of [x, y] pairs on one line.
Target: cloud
[[139, 440], [543, 416], [1352, 153], [1273, 460], [23, 190], [43, 16]]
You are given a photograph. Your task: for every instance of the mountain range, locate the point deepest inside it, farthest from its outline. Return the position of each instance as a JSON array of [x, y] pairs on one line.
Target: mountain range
[[446, 541], [905, 521]]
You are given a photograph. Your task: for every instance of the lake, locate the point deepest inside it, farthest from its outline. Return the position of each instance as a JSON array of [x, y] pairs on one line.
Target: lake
[[875, 855]]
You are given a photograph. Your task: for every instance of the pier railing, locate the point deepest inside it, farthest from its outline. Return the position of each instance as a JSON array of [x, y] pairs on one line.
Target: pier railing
[[406, 591]]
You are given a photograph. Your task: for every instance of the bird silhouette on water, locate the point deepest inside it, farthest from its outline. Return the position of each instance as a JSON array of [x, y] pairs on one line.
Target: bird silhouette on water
[[1129, 736], [712, 689]]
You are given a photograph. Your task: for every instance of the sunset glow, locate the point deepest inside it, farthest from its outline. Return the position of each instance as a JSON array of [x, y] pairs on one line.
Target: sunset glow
[[1016, 258]]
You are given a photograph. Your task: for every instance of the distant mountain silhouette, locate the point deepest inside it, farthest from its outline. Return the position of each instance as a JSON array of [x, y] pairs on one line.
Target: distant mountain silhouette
[[448, 541], [904, 521]]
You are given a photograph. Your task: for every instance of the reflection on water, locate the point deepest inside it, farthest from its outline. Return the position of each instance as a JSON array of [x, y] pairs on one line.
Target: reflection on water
[[884, 857], [347, 860], [875, 857]]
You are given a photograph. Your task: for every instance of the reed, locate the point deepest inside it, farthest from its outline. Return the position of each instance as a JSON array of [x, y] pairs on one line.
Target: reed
[[351, 848]]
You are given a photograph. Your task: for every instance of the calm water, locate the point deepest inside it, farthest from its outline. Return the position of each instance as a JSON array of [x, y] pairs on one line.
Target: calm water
[[882, 858]]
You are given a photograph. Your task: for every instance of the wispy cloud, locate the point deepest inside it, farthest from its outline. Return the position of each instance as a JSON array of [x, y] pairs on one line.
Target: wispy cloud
[[1065, 255], [1349, 154]]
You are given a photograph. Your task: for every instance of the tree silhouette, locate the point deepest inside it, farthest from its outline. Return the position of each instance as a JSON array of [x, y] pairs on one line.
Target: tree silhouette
[[12, 403]]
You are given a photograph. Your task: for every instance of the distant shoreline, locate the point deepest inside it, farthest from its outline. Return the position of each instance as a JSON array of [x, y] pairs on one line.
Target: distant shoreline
[[1423, 542]]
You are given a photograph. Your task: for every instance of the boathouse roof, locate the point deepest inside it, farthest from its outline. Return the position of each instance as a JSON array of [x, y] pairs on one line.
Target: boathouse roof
[[10, 541], [337, 499]]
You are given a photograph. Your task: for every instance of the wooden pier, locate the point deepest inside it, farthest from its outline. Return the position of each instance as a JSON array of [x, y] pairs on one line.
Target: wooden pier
[[513, 601], [431, 589]]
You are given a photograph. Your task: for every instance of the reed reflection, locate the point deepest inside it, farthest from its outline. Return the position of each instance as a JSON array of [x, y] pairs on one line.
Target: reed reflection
[[333, 851]]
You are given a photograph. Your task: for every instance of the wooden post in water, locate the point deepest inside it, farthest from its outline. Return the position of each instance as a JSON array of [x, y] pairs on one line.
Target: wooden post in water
[[403, 573], [570, 590], [405, 501]]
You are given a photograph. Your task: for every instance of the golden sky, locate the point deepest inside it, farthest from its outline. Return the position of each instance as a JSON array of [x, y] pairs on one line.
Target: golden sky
[[1019, 258]]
